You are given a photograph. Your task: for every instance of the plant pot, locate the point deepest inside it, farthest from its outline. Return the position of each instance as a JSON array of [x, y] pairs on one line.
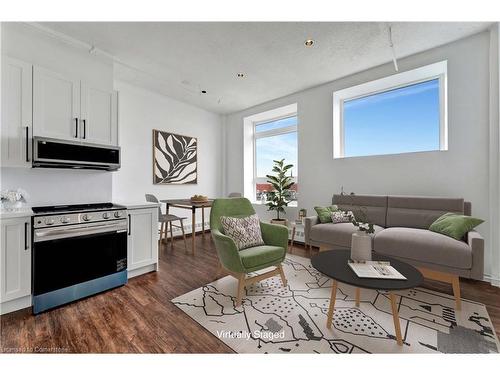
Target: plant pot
[[279, 221], [361, 246]]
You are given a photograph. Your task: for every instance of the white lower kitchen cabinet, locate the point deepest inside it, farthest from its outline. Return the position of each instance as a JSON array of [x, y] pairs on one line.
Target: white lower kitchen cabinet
[[15, 264], [142, 243]]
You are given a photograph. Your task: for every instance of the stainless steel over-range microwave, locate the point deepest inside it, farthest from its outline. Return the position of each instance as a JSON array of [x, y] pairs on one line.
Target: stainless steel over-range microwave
[[56, 153]]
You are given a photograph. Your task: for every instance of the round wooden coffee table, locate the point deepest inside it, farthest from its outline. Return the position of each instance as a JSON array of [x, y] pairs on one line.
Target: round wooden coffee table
[[333, 263]]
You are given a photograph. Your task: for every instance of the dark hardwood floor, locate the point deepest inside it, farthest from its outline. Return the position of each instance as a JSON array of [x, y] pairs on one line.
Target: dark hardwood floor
[[139, 317]]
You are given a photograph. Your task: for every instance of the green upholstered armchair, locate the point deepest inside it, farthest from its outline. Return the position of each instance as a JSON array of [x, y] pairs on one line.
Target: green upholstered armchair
[[239, 263]]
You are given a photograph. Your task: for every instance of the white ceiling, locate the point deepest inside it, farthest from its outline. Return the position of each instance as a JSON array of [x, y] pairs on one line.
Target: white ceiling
[[181, 59]]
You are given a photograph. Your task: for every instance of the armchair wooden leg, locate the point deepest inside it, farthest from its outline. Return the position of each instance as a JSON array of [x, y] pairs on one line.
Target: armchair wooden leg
[[455, 283], [184, 236], [282, 274], [241, 289]]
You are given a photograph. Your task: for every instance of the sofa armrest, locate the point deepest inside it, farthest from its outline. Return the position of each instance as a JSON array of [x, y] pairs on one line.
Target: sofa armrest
[[476, 243], [308, 224], [227, 251], [274, 235]]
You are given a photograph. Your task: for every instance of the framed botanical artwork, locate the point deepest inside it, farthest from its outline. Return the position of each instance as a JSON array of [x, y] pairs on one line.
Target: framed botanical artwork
[[175, 158]]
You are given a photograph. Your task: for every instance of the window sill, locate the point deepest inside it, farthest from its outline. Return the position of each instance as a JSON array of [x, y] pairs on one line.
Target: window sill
[[259, 203]]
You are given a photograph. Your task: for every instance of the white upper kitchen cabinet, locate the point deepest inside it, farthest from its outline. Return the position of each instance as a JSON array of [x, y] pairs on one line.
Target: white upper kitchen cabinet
[[16, 112], [15, 264], [56, 105], [99, 115], [68, 108]]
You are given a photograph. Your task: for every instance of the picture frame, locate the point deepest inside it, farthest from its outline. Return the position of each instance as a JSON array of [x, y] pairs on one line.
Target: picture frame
[[175, 158]]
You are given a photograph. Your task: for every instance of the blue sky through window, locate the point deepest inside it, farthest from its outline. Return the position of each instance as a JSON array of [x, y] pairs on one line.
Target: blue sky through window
[[272, 125], [267, 149], [395, 121]]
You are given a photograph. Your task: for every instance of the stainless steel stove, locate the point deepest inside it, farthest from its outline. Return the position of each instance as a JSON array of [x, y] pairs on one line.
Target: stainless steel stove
[[49, 216], [78, 251]]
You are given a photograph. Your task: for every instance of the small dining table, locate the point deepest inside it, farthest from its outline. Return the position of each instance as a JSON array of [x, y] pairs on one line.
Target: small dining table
[[188, 204]]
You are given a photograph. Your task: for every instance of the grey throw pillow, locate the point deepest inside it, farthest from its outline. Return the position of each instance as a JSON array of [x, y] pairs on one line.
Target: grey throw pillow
[[342, 217], [244, 231]]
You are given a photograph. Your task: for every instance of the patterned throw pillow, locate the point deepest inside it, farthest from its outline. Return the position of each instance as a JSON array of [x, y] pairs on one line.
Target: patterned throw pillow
[[342, 217], [245, 231]]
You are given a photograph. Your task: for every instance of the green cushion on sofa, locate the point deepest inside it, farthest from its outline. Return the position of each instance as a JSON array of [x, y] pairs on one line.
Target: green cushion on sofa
[[325, 213], [454, 225]]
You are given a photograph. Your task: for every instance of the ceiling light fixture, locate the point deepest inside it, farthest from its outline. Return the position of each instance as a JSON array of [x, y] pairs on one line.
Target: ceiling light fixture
[[240, 75], [309, 42]]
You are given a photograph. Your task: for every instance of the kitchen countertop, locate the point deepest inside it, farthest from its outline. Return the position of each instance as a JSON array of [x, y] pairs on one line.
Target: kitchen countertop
[[136, 205], [28, 212], [17, 213]]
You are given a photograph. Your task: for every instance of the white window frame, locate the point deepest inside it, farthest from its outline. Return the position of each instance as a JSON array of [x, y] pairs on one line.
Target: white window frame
[[267, 134], [249, 147], [423, 74]]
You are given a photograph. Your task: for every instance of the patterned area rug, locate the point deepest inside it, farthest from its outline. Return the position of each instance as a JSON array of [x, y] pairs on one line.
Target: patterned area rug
[[292, 319]]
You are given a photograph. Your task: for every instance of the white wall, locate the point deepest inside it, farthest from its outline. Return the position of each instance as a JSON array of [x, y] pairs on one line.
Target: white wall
[[494, 152], [141, 111], [460, 172], [56, 186]]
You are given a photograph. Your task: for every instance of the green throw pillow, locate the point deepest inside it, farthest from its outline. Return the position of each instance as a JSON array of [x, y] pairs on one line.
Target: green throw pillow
[[325, 213], [454, 225]]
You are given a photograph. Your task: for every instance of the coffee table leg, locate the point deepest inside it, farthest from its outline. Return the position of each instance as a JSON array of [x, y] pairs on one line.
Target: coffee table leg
[[332, 305], [358, 296], [395, 317]]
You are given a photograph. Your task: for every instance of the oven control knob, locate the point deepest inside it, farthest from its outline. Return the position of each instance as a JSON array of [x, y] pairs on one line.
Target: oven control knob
[[49, 221], [106, 215], [65, 220], [86, 217], [118, 214]]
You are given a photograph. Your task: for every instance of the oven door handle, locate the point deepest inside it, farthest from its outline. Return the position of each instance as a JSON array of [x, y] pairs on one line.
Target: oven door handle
[[48, 234]]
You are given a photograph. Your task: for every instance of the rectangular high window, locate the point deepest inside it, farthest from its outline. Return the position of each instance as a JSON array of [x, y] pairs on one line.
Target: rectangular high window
[[402, 113]]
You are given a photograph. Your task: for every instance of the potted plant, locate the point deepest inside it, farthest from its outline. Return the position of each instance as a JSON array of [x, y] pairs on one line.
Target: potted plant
[[279, 197], [361, 242]]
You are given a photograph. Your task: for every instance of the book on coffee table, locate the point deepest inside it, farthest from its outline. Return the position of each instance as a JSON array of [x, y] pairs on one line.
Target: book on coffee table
[[373, 269]]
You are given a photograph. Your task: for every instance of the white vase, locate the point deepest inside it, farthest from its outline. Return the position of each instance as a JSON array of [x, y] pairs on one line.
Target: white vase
[[361, 246]]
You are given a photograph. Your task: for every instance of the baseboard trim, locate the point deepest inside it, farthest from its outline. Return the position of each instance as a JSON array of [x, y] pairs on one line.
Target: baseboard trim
[[142, 270], [14, 305], [492, 280]]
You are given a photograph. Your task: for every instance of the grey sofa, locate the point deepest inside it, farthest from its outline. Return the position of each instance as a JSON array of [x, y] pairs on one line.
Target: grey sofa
[[401, 232]]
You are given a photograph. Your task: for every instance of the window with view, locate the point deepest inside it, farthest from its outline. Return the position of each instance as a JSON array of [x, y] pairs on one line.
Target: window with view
[[274, 140], [402, 113]]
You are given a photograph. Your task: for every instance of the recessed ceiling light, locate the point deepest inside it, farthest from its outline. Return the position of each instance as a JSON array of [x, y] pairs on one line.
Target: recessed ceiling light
[[203, 91], [240, 75], [309, 42]]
